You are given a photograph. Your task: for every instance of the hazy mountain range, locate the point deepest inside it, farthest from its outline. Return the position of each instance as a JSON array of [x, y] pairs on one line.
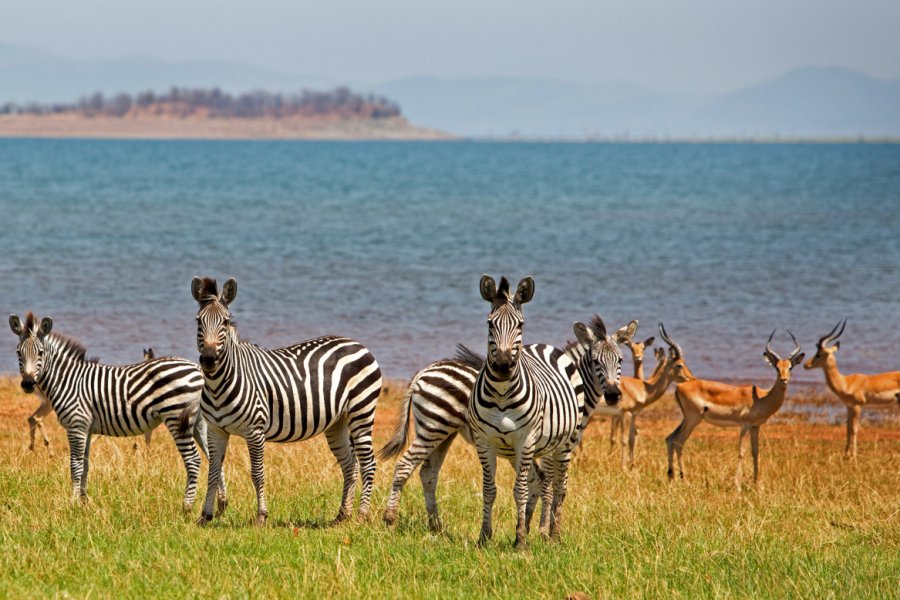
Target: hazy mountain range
[[813, 101]]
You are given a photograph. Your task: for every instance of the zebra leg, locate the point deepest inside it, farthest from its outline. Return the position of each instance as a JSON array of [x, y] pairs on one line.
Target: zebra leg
[[361, 439], [487, 455], [256, 444], [191, 458], [546, 491], [429, 472], [339, 442], [200, 437], [420, 450], [77, 441], [560, 487], [218, 446], [535, 484], [523, 465], [87, 465]]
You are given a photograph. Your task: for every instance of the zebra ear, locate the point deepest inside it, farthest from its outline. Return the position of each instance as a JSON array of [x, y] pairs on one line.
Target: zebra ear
[[488, 288], [584, 334], [15, 323], [196, 284], [46, 326], [625, 334], [525, 291], [229, 291]]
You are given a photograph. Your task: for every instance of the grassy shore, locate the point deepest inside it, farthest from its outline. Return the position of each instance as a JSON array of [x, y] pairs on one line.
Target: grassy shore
[[817, 526]]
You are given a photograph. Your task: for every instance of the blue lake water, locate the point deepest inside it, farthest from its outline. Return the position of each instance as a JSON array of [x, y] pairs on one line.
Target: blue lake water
[[386, 242]]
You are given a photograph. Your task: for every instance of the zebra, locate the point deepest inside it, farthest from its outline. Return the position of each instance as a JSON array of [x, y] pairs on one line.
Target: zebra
[[324, 385], [527, 403], [437, 398], [91, 398]]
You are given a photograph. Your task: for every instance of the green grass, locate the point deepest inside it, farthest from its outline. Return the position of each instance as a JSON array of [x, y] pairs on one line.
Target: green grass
[[817, 527]]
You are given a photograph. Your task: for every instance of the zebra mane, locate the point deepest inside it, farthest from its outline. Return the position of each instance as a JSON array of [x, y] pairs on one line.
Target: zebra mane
[[598, 327], [72, 346], [29, 322], [468, 357], [570, 345], [209, 290], [94, 359]]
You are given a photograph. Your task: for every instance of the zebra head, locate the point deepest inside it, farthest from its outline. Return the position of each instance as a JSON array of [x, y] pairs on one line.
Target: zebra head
[[32, 346], [604, 355], [505, 323], [213, 318]]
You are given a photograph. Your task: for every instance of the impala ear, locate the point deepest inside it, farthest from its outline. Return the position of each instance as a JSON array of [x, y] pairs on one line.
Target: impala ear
[[46, 326], [836, 346], [15, 323], [626, 333], [755, 394], [525, 291], [229, 291], [770, 359], [584, 334], [488, 288], [649, 341], [798, 359]]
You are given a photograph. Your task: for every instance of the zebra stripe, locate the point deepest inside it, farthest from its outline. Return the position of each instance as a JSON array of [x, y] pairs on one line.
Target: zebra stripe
[[95, 399], [438, 397], [527, 403], [325, 385]]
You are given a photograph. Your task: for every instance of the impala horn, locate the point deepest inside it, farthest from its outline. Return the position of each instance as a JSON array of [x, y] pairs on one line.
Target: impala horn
[[770, 354], [832, 336], [673, 345], [796, 349]]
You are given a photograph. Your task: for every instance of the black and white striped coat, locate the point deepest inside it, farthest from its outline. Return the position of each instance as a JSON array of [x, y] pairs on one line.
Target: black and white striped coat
[[438, 396], [90, 398], [325, 385]]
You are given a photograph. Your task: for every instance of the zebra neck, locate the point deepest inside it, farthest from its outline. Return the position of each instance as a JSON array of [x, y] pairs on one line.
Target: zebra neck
[[229, 366], [593, 389], [61, 367], [503, 392]]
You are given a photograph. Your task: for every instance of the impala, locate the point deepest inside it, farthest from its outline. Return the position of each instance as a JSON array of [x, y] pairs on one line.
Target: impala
[[638, 394], [857, 390], [728, 405]]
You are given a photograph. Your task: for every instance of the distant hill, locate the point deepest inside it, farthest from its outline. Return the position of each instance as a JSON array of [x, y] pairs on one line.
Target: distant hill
[[828, 101]]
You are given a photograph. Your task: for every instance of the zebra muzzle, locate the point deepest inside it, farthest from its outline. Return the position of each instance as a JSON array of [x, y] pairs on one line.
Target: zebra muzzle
[[28, 384]]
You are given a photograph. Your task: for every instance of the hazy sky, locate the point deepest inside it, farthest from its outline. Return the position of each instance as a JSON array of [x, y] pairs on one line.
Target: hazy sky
[[676, 45]]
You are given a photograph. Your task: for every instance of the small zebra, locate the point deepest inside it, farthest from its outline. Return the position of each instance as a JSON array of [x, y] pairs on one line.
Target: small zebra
[[438, 396], [527, 403], [96, 399], [325, 385]]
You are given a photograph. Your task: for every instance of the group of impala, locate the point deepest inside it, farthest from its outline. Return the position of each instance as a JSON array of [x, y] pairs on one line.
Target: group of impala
[[746, 407]]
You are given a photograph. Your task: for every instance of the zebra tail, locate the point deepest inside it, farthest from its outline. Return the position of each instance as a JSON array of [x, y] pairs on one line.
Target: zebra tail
[[399, 439], [186, 420]]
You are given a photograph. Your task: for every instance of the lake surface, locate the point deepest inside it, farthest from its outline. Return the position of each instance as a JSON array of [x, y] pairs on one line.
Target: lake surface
[[386, 242]]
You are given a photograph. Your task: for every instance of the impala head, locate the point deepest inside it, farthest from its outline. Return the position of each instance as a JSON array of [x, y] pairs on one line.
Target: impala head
[[824, 352], [213, 318], [149, 354], [680, 370], [783, 365], [31, 348], [638, 348], [604, 354], [505, 323]]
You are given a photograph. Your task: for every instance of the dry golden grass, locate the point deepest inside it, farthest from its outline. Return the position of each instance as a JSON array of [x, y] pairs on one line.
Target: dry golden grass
[[817, 526]]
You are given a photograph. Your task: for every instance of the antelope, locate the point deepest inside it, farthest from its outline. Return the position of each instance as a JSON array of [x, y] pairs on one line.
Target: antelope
[[638, 394], [728, 405], [856, 390], [637, 359]]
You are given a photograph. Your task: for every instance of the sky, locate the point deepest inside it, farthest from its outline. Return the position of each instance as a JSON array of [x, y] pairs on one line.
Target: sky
[[685, 46]]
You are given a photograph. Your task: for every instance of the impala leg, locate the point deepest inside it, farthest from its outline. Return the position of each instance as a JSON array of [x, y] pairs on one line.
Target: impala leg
[[217, 439], [487, 456], [614, 424], [754, 449], [676, 441], [36, 421], [632, 440], [428, 474], [626, 420], [739, 473], [339, 442], [853, 413]]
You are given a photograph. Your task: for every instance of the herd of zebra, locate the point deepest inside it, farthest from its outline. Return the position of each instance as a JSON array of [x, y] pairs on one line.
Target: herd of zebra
[[529, 404]]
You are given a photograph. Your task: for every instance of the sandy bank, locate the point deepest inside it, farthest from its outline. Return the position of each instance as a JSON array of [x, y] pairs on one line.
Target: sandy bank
[[294, 128]]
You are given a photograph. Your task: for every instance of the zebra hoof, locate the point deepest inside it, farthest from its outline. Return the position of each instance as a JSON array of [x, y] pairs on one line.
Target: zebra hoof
[[261, 520], [521, 543], [390, 517], [186, 507], [340, 518], [484, 537], [221, 505], [435, 525], [204, 519]]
